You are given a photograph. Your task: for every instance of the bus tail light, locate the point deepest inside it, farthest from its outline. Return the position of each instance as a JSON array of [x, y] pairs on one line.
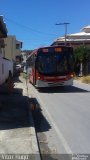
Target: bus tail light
[[38, 77], [72, 75]]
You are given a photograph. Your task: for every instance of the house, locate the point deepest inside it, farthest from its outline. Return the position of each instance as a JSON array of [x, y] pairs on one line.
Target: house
[[12, 47], [3, 34], [6, 66], [76, 39]]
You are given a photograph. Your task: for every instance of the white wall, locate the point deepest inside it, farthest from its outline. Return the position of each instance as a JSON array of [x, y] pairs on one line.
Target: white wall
[[5, 66], [0, 69]]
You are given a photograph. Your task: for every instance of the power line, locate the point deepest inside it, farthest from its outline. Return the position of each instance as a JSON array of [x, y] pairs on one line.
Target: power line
[[29, 28]]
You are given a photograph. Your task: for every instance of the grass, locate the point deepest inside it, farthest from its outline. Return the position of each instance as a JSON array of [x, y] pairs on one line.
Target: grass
[[24, 75], [84, 79]]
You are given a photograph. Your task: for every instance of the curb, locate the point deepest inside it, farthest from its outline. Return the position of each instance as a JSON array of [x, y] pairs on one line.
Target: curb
[[32, 129], [33, 133], [82, 85]]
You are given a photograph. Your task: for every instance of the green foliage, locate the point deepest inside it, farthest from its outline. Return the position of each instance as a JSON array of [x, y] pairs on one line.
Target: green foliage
[[84, 79], [24, 75], [81, 54]]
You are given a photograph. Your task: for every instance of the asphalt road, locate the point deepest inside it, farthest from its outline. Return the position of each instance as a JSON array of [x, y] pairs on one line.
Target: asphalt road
[[67, 111]]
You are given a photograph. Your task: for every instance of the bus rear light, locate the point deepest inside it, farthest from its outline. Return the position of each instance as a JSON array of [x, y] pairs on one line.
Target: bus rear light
[[72, 75], [39, 77]]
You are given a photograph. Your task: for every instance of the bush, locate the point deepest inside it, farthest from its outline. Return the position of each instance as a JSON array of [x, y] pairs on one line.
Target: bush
[[86, 79]]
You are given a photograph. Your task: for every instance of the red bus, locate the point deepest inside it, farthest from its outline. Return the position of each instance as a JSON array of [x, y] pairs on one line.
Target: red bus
[[51, 66]]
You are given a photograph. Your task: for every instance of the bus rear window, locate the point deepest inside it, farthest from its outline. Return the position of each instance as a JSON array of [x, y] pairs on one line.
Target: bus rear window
[[55, 63]]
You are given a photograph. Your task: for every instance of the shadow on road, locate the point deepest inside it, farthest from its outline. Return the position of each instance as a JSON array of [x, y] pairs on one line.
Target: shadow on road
[[14, 111], [16, 79], [40, 121], [62, 89], [17, 91]]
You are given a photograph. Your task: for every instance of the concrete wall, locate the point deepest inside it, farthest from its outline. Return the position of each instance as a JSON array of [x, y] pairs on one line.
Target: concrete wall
[[5, 66], [18, 47], [0, 68], [11, 49]]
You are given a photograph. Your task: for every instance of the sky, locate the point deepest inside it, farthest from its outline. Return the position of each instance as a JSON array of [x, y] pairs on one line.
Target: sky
[[34, 21]]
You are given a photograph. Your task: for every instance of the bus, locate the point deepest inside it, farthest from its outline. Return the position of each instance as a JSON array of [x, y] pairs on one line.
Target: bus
[[51, 66]]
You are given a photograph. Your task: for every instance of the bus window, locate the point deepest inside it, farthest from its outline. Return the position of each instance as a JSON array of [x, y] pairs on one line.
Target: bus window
[[65, 64], [30, 64], [55, 63], [40, 64], [70, 59], [46, 64]]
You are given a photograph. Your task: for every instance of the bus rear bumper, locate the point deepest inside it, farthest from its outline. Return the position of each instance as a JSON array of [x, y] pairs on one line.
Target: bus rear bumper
[[40, 83]]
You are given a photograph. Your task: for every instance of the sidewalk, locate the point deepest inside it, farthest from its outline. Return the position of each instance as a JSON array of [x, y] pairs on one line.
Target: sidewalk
[[82, 85], [17, 132]]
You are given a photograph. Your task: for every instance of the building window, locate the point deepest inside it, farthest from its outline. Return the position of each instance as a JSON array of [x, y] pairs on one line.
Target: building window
[[17, 46], [21, 44]]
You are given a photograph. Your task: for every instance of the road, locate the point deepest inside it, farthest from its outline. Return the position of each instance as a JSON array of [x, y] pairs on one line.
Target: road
[[67, 111]]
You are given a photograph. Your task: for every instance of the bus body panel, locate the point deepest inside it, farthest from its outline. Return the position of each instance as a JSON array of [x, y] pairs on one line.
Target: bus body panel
[[40, 83]]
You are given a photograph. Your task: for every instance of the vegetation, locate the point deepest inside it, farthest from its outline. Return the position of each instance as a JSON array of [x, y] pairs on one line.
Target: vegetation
[[24, 75], [82, 56], [84, 79]]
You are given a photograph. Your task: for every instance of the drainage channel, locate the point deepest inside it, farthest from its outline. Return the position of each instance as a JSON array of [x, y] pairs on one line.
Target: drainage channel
[[38, 120], [41, 127]]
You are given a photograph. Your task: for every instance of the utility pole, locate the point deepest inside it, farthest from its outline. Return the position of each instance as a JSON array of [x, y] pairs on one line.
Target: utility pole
[[65, 24]]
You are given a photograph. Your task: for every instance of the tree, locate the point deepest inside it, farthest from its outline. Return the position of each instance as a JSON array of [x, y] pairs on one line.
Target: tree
[[82, 55]]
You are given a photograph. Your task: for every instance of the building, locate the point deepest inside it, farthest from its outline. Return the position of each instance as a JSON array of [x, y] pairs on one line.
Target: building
[[24, 56], [12, 47], [76, 39], [6, 66], [3, 34]]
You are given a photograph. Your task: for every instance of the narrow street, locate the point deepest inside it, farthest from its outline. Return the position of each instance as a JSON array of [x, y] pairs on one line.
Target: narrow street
[[45, 80], [66, 118], [61, 121]]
